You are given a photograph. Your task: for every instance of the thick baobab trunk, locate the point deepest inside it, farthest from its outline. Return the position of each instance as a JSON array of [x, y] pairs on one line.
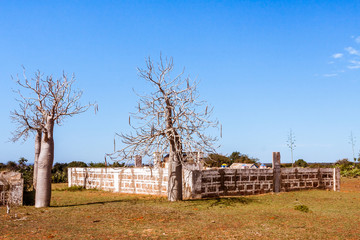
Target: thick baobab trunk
[[175, 177], [45, 162], [37, 153]]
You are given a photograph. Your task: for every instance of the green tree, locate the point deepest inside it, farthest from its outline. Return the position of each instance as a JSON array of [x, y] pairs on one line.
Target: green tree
[[215, 160], [237, 157], [300, 163], [12, 166], [234, 156], [59, 173]]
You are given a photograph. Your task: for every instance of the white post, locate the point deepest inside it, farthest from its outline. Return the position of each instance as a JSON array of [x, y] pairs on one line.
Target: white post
[[69, 177]]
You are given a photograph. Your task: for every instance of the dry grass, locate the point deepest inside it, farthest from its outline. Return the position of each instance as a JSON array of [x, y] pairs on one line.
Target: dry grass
[[103, 215]]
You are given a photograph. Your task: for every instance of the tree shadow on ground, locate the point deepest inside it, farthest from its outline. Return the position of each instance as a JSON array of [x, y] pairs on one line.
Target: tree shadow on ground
[[92, 203], [220, 202]]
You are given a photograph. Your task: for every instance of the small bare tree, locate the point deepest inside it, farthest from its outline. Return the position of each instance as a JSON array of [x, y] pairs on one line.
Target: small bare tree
[[44, 103], [291, 145], [170, 119], [352, 141]]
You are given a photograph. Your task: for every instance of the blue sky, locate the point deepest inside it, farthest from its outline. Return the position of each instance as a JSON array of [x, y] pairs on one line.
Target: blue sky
[[265, 66]]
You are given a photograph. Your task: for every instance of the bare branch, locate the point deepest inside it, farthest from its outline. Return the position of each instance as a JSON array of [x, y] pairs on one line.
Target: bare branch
[[40, 98]]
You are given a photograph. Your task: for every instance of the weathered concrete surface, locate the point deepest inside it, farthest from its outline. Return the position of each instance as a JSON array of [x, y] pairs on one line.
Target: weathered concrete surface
[[11, 188], [230, 182], [125, 180], [293, 179], [206, 183]]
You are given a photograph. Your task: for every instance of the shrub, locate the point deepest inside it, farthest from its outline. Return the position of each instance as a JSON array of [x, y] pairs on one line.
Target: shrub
[[300, 163], [350, 173], [28, 176], [348, 169], [59, 173], [59, 177], [25, 170], [302, 208]]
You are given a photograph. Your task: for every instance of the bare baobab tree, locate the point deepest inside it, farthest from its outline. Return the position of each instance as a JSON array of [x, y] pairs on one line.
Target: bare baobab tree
[[44, 102], [170, 119]]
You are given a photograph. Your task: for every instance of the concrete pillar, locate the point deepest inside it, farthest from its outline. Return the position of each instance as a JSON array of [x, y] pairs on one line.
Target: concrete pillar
[[138, 161], [277, 172], [336, 179]]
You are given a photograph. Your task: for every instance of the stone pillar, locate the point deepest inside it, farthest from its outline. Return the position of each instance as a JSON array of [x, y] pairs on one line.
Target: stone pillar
[[336, 179], [138, 161], [276, 172], [157, 159]]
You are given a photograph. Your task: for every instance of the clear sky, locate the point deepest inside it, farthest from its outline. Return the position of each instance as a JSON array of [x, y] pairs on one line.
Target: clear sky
[[265, 66]]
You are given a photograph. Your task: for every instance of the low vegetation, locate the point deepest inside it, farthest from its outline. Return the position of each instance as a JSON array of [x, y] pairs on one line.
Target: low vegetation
[[302, 208], [348, 169], [89, 214]]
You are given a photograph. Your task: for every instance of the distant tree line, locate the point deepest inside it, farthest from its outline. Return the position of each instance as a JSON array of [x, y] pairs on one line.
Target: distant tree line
[[58, 171]]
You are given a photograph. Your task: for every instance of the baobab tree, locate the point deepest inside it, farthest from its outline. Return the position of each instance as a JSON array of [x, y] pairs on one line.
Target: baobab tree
[[45, 102], [169, 119]]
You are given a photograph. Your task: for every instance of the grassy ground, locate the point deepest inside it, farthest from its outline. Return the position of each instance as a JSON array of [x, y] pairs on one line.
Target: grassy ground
[[103, 215]]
